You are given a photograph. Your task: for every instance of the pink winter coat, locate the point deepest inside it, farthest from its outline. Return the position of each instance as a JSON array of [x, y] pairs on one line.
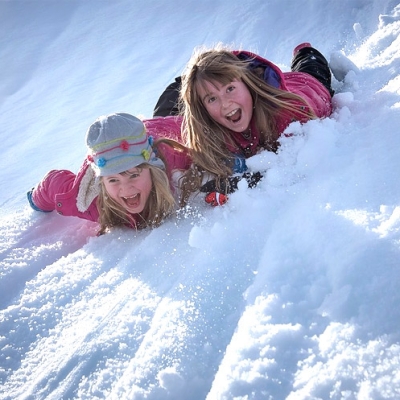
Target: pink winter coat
[[73, 194], [300, 83]]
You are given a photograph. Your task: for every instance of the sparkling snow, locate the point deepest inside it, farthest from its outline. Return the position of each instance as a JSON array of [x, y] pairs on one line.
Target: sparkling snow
[[290, 291]]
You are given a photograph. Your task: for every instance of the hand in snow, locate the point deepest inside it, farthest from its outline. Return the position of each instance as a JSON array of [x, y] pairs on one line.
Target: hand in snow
[[217, 191], [230, 185]]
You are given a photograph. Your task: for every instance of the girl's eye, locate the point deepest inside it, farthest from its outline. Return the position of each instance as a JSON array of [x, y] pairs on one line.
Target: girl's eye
[[112, 180], [135, 175], [230, 88], [210, 99]]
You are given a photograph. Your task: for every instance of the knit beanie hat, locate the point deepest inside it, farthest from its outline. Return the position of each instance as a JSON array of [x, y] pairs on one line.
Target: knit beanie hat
[[119, 142]]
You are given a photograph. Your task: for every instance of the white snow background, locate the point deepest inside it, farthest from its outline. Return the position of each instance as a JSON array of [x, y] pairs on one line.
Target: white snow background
[[290, 291]]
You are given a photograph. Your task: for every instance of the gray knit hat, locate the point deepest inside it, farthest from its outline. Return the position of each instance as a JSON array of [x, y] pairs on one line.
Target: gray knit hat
[[119, 142]]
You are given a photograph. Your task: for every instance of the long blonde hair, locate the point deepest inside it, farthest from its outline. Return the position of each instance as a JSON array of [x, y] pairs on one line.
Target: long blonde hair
[[190, 179], [207, 140], [159, 205]]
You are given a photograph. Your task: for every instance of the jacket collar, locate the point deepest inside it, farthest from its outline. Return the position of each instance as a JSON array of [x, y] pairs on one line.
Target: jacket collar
[[245, 143]]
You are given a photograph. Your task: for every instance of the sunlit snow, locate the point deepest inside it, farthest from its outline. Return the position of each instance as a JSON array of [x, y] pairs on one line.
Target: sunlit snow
[[289, 291]]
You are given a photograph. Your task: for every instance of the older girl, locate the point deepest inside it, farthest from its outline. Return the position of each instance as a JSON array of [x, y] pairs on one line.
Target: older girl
[[236, 103]]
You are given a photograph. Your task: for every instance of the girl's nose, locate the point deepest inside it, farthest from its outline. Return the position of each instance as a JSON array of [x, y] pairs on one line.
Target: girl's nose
[[127, 186], [225, 103]]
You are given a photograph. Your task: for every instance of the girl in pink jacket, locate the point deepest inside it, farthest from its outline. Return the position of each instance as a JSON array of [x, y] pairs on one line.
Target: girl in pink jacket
[[126, 179], [236, 103]]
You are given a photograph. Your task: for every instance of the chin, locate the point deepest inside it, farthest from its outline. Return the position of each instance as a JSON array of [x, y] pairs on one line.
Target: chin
[[239, 129], [135, 211]]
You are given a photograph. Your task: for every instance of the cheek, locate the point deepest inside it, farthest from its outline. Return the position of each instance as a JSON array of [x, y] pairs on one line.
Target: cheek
[[147, 186], [146, 183], [250, 102], [212, 110], [111, 191]]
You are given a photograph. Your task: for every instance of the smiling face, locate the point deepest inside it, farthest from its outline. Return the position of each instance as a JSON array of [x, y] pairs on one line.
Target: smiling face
[[130, 189], [229, 105]]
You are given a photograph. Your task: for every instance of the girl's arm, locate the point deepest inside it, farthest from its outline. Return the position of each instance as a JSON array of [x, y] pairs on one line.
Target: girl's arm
[[55, 182]]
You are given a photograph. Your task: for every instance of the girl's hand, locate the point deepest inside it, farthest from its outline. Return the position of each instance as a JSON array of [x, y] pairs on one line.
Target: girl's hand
[[217, 195], [230, 184]]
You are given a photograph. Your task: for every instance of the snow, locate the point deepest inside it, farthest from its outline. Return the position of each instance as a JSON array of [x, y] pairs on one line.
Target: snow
[[289, 291]]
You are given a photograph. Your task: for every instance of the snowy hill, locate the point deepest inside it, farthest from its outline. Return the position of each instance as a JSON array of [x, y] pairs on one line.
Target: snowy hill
[[290, 291]]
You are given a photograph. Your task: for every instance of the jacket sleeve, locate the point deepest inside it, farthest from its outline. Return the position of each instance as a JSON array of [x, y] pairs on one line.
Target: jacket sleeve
[[55, 182], [164, 127], [312, 91]]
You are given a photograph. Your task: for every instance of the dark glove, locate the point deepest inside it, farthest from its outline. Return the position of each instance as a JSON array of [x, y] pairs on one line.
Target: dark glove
[[217, 194], [230, 184], [252, 178]]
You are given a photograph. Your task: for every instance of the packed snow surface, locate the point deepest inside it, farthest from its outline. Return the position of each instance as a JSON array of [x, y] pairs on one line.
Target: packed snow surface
[[289, 291]]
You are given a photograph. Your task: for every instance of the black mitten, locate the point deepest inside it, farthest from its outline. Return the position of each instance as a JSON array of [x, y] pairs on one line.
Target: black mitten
[[226, 186], [252, 178], [230, 184]]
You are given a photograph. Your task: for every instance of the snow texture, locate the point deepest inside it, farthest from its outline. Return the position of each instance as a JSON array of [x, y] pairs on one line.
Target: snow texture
[[289, 291]]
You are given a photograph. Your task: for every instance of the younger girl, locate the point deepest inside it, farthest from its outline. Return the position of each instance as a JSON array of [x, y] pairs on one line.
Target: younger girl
[[122, 181], [236, 103]]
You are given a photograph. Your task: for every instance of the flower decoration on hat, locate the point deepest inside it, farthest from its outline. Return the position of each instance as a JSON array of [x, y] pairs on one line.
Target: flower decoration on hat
[[124, 145], [151, 141], [146, 155], [101, 162]]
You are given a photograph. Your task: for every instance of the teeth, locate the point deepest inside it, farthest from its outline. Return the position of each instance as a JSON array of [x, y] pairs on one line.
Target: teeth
[[130, 197], [231, 113]]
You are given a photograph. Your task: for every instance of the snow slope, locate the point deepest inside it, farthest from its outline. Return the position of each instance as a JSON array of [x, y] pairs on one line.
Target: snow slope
[[290, 291]]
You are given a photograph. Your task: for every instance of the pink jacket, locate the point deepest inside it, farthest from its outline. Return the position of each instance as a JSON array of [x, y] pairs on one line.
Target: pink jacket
[[300, 83], [59, 189]]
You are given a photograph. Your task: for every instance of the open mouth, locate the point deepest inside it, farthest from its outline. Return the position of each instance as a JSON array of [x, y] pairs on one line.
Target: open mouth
[[234, 116], [132, 201]]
